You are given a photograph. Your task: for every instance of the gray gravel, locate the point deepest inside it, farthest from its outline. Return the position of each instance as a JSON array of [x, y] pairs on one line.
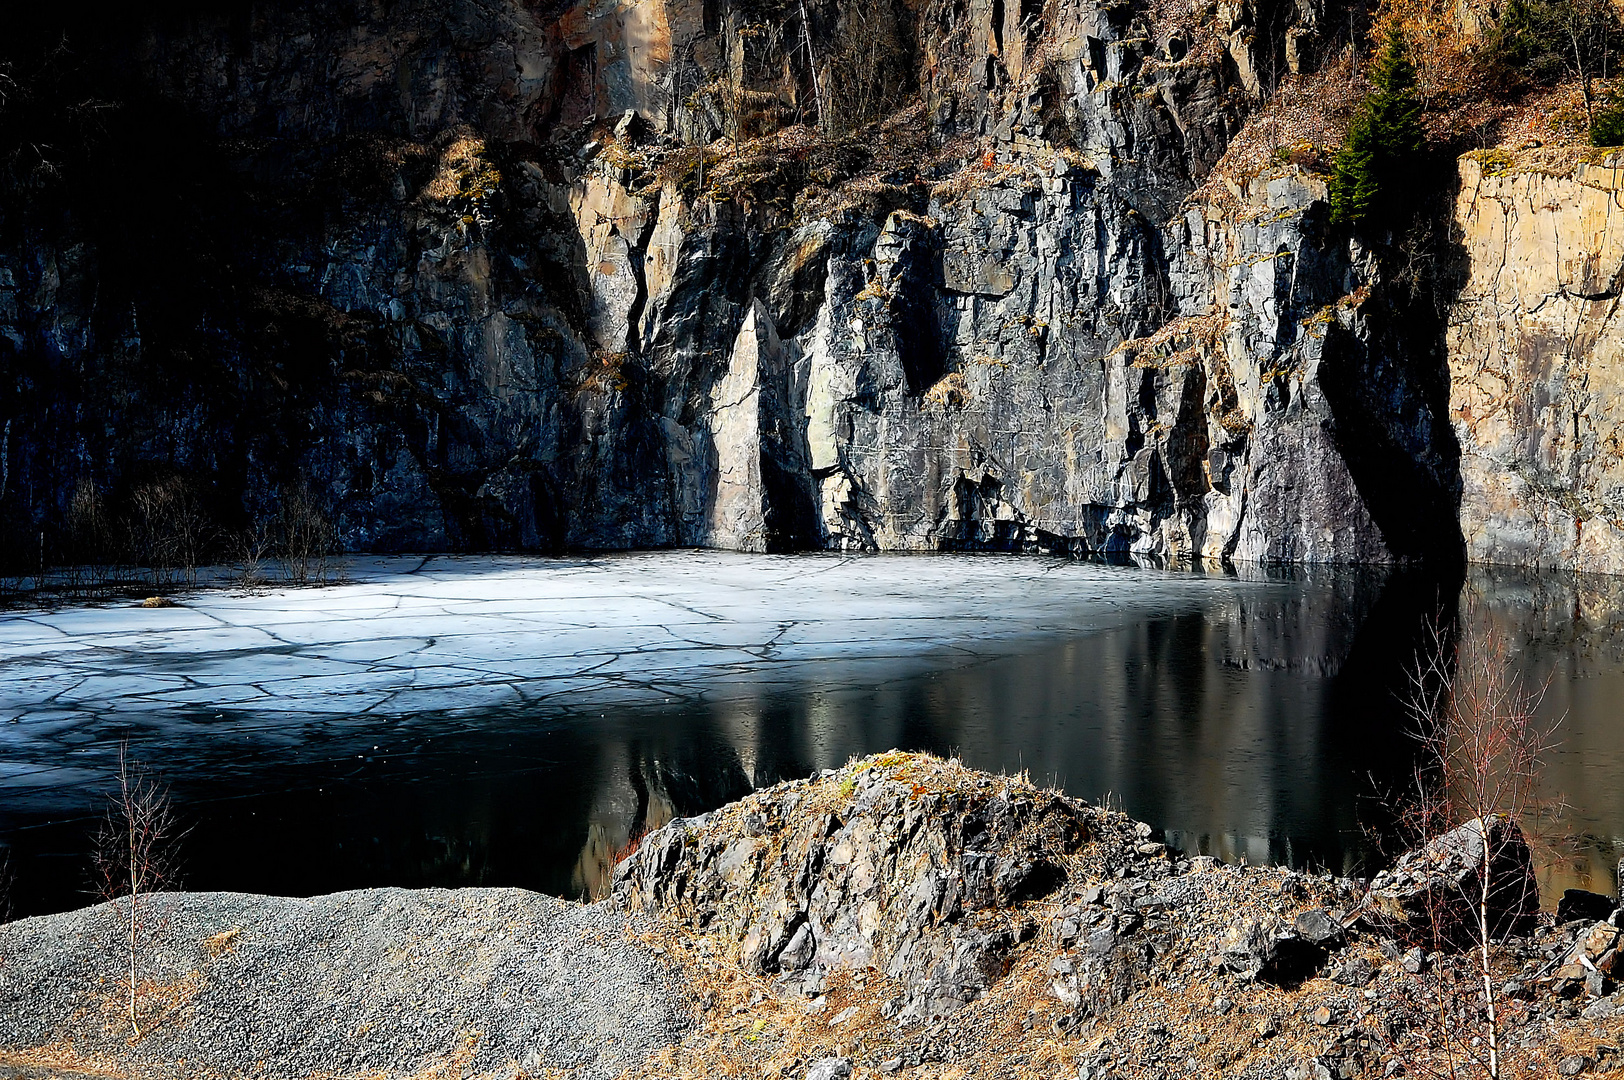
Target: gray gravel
[[381, 981]]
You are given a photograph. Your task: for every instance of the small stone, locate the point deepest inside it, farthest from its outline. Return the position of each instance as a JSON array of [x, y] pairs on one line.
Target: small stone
[[844, 1014], [1572, 1065], [1583, 904], [1321, 1017], [829, 1068], [1222, 1006], [891, 1065], [1318, 926], [1601, 1009], [1596, 984], [1356, 972], [1415, 961]]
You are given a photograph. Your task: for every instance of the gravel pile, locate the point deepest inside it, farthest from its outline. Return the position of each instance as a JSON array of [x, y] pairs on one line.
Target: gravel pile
[[902, 917], [387, 982]]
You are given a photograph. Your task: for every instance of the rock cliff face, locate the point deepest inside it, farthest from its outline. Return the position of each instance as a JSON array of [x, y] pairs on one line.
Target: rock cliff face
[[502, 276], [1536, 359]]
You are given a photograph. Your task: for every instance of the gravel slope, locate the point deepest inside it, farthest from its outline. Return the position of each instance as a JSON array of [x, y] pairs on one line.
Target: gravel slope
[[377, 982]]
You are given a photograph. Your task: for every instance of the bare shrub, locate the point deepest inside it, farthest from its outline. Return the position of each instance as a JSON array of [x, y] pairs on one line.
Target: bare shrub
[[8, 879], [251, 552], [134, 855], [1483, 752], [92, 546], [168, 529], [305, 538], [871, 70]]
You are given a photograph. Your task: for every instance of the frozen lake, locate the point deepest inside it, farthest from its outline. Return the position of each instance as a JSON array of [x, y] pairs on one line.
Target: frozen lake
[[509, 721]]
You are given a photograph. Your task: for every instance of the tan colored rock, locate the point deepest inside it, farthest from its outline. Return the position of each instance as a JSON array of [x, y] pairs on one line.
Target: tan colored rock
[[613, 224], [1536, 360], [738, 512]]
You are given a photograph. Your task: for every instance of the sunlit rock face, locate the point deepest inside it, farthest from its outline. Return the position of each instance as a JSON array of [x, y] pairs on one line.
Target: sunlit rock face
[[411, 260], [1536, 363]]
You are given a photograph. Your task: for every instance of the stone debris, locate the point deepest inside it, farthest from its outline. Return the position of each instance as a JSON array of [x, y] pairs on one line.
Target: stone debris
[[900, 917], [1433, 894], [910, 868], [1131, 964]]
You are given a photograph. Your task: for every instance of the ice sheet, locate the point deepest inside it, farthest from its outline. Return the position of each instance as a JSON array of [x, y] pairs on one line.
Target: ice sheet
[[408, 635]]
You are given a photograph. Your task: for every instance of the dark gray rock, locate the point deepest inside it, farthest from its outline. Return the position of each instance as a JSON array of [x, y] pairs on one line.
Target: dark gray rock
[[1582, 904], [1319, 926], [1429, 899], [864, 868]]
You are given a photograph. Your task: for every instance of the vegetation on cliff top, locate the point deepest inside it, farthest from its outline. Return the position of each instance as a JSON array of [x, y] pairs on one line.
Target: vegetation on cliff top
[[1382, 142]]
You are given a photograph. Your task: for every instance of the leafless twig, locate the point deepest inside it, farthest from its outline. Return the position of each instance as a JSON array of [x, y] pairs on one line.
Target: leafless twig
[[135, 855]]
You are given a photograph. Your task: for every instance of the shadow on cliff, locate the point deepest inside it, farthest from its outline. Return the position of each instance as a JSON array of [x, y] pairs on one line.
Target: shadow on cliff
[[1387, 383]]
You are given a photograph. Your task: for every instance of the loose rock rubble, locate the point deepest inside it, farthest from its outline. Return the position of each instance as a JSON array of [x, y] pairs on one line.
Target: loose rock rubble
[[1132, 962], [908, 917], [901, 865]]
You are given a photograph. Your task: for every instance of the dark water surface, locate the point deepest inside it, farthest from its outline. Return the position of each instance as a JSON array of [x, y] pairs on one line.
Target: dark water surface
[[1250, 719]]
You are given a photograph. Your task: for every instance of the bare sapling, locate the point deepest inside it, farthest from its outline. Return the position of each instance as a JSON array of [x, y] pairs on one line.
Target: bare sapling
[[1475, 799], [251, 550], [305, 538], [8, 878], [134, 857], [169, 530]]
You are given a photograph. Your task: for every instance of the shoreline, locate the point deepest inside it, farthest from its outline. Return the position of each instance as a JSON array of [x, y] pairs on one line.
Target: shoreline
[[903, 916]]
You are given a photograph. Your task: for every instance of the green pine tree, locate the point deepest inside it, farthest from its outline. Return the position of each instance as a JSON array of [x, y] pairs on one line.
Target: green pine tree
[[1384, 141]]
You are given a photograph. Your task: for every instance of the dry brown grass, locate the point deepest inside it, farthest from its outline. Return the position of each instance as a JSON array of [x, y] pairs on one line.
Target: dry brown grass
[[463, 170], [794, 170], [1300, 126], [1183, 342], [217, 945]]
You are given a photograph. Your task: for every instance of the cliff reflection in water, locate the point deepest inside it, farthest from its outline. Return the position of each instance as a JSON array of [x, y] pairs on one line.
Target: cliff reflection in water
[[1252, 720], [1567, 635], [1255, 729], [1249, 727]]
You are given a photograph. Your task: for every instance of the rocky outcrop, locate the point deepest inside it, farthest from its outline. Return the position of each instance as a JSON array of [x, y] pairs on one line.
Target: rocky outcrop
[[1535, 360], [1440, 893], [903, 863], [470, 273]]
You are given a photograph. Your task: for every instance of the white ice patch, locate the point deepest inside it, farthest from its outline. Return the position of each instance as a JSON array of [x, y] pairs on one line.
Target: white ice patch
[[407, 635]]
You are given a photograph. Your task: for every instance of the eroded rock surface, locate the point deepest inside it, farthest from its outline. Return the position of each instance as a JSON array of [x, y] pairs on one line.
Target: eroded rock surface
[[1535, 360], [907, 865], [458, 269]]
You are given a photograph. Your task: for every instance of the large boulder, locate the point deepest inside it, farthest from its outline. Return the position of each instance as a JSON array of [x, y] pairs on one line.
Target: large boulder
[[1431, 898], [901, 862]]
